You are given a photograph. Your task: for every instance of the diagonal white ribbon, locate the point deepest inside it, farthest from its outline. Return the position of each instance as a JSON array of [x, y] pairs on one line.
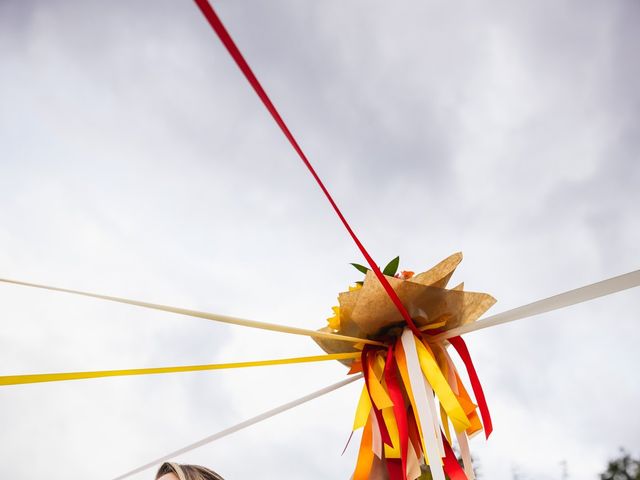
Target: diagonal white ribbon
[[241, 425], [243, 322], [566, 299]]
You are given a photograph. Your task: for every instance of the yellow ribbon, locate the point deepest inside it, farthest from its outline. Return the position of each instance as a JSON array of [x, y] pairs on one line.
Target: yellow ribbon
[[363, 410], [433, 326], [208, 316], [445, 423], [441, 387], [378, 393], [385, 404], [58, 377], [392, 427]]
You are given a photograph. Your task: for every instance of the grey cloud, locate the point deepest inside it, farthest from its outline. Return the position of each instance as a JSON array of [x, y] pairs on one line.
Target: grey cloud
[[135, 160]]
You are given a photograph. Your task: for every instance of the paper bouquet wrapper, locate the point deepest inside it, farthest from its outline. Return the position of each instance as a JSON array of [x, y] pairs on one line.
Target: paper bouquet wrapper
[[368, 312], [413, 393]]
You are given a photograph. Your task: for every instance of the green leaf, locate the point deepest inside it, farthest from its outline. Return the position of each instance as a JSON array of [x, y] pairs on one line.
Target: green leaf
[[360, 268], [360, 283], [392, 267]]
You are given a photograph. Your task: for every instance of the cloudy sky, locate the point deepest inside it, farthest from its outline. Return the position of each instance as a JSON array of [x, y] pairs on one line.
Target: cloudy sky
[[136, 161]]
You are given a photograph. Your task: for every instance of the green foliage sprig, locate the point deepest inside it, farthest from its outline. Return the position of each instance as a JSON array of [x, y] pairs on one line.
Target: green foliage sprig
[[390, 270]]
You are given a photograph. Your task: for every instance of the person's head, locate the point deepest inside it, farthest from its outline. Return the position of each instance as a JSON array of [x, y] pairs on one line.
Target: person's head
[[174, 471]]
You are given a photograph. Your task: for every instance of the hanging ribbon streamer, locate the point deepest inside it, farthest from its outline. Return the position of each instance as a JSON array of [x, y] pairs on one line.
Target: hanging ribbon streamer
[[419, 392], [399, 408], [451, 466], [412, 429], [462, 350]]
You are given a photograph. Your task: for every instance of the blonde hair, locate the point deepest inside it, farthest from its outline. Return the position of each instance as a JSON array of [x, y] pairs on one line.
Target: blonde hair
[[187, 472]]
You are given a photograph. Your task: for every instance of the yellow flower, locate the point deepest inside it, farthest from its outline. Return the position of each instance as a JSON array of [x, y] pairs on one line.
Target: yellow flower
[[334, 322]]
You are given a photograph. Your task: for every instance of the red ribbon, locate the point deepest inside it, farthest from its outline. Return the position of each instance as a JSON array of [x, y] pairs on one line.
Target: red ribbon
[[451, 466], [399, 408], [394, 467], [463, 351], [384, 433], [458, 343], [227, 41]]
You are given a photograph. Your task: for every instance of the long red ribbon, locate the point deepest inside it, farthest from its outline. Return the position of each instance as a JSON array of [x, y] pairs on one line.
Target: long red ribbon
[[399, 408], [367, 351], [457, 342], [233, 50], [463, 351]]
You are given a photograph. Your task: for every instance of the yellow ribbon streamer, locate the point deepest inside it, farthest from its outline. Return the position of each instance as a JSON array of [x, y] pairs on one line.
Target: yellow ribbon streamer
[[208, 316], [363, 410], [392, 427], [378, 393], [445, 424], [385, 404], [58, 377], [441, 387]]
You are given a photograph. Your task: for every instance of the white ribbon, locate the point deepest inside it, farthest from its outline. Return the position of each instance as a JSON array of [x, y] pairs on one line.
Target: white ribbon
[[566, 299], [433, 413], [421, 391], [241, 425], [376, 439], [463, 442]]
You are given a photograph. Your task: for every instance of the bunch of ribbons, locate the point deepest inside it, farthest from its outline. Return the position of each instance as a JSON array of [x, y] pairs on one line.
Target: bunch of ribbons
[[404, 429]]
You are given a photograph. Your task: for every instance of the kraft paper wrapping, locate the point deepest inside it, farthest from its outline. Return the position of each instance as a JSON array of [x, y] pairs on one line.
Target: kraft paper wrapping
[[368, 312]]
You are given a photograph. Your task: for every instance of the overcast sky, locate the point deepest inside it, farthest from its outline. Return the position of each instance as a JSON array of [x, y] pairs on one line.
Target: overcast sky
[[136, 161]]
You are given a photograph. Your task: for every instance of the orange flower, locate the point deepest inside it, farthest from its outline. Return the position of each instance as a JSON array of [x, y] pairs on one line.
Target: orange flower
[[406, 274]]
